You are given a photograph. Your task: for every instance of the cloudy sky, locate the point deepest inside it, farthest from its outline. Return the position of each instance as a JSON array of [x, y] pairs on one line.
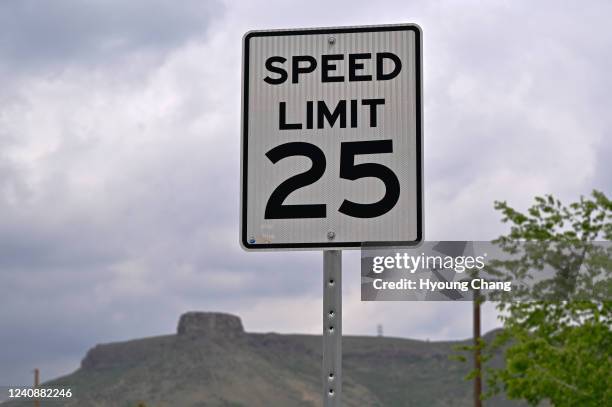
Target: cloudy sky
[[119, 160]]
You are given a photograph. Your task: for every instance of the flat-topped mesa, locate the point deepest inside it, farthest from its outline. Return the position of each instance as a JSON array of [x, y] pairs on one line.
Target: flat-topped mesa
[[211, 324]]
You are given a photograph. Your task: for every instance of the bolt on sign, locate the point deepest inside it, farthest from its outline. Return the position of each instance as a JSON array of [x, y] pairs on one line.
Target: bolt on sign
[[332, 138]]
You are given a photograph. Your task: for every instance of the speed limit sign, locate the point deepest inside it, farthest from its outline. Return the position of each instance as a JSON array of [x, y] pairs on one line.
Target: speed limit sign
[[331, 138]]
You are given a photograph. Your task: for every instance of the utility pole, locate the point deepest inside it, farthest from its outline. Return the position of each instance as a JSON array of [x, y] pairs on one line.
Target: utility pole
[[477, 361], [36, 384]]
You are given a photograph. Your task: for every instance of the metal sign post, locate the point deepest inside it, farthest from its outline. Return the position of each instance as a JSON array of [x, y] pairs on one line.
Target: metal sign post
[[332, 328], [331, 151]]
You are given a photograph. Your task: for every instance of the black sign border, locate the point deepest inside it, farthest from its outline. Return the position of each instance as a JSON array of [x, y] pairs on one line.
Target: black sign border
[[245, 125]]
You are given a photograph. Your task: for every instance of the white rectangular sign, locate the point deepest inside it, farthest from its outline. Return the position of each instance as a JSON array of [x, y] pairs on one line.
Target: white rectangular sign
[[332, 138]]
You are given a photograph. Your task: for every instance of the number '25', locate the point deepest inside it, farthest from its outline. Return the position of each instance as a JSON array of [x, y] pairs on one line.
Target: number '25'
[[275, 209]]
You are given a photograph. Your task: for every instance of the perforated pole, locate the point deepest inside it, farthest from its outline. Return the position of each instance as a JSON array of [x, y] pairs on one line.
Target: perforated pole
[[332, 328]]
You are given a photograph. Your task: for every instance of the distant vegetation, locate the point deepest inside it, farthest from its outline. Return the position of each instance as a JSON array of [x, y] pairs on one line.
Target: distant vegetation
[[212, 362]]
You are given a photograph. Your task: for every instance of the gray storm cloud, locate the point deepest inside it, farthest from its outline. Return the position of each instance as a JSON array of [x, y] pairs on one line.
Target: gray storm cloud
[[38, 34], [119, 160]]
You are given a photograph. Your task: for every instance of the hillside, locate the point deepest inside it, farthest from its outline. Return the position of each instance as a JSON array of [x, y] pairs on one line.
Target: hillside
[[211, 361]]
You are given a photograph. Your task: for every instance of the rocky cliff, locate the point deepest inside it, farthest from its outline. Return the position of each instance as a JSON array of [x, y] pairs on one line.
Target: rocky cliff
[[212, 361]]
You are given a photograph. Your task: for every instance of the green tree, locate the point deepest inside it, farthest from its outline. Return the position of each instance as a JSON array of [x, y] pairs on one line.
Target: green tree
[[557, 336]]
